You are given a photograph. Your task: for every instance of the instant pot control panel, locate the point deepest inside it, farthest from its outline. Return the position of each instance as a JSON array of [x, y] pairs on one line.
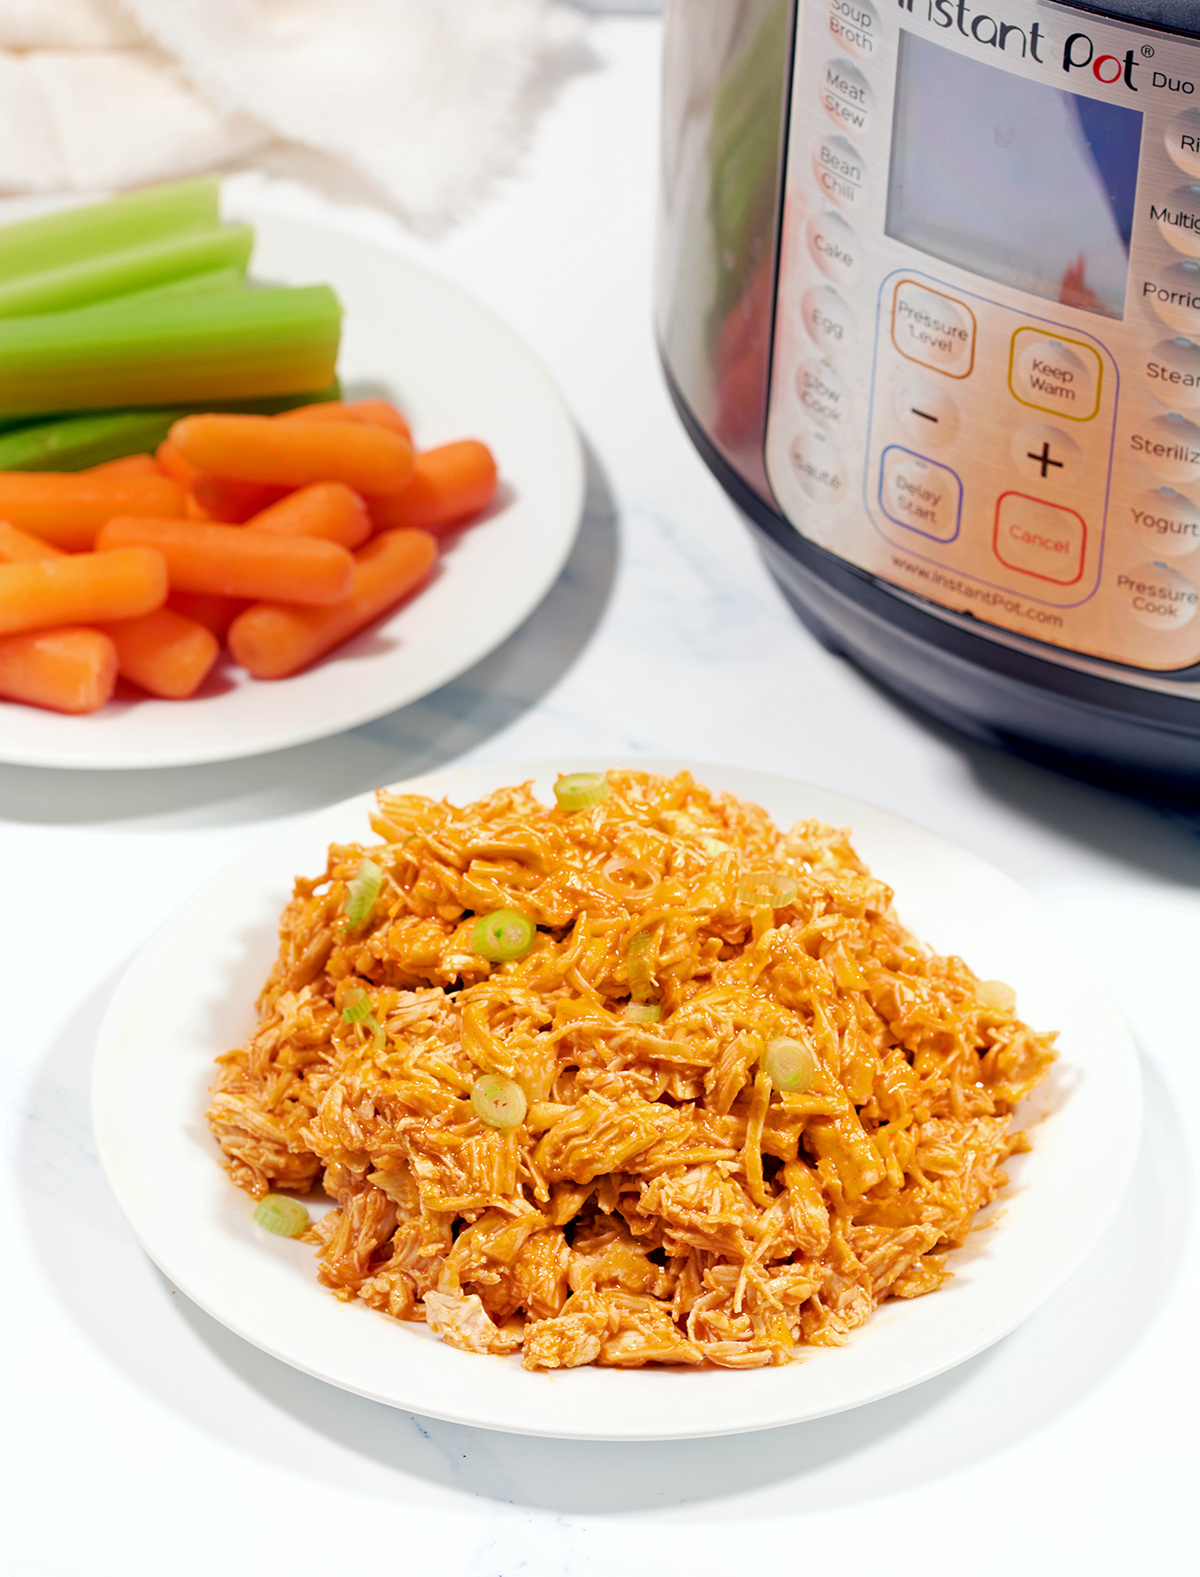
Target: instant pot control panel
[[986, 371]]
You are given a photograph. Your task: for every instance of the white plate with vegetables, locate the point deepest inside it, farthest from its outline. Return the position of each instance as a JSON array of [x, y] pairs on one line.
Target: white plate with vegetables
[[189, 997], [456, 371]]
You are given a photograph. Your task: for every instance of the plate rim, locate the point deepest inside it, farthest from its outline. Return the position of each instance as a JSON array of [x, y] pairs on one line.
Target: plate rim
[[83, 756], [1116, 1180]]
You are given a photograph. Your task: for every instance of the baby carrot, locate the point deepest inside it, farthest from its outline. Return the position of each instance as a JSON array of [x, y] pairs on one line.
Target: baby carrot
[[81, 588], [214, 612], [164, 652], [20, 547], [174, 464], [382, 413], [274, 641], [292, 453], [69, 507], [215, 497], [236, 562], [127, 465], [67, 670], [448, 486], [323, 509]]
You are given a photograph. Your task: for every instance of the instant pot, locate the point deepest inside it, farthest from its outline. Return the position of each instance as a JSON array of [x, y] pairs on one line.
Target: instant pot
[[928, 302]]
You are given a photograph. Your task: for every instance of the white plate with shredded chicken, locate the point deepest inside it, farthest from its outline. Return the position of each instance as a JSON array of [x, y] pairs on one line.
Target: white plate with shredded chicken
[[626, 1105]]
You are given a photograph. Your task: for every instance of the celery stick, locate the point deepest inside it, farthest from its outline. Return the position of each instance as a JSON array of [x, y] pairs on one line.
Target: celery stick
[[94, 279], [74, 234], [206, 283], [229, 345], [72, 443]]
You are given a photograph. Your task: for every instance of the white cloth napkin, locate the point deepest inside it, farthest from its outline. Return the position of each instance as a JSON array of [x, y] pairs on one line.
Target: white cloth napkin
[[429, 102]]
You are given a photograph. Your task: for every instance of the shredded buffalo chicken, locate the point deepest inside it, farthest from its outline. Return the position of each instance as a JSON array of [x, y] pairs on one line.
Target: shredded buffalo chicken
[[661, 1201]]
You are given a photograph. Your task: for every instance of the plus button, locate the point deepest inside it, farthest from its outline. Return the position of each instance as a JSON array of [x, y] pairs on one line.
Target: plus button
[[1044, 459]]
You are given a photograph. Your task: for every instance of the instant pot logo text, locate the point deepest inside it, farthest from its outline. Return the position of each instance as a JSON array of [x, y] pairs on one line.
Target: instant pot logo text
[[1078, 52]]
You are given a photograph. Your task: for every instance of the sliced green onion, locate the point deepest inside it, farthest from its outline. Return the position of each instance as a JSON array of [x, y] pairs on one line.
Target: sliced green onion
[[767, 889], [113, 226], [503, 935], [362, 892], [790, 1064], [356, 1006], [287, 1218], [642, 1012], [580, 790], [641, 976], [498, 1102], [180, 349], [91, 280]]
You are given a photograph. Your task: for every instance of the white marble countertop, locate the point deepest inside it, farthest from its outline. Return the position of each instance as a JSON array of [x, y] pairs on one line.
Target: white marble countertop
[[140, 1435]]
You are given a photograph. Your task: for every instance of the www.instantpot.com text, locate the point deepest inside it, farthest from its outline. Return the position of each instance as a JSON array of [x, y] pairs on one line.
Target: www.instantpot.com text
[[985, 595]]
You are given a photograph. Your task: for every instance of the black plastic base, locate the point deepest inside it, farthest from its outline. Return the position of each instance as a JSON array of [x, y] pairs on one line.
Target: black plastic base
[[1078, 721]]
